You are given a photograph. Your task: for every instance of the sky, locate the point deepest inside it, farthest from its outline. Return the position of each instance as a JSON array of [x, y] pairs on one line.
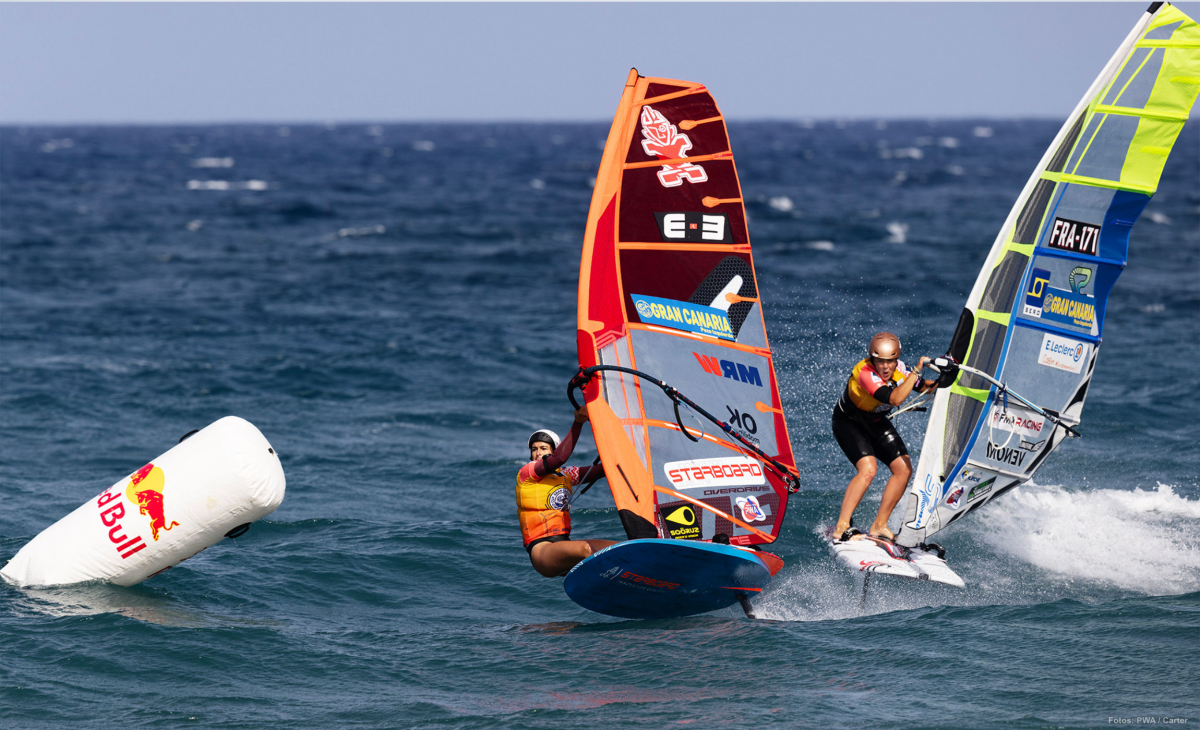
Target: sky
[[391, 62]]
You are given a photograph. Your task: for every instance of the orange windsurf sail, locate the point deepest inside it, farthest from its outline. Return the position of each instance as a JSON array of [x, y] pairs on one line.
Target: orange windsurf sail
[[667, 288]]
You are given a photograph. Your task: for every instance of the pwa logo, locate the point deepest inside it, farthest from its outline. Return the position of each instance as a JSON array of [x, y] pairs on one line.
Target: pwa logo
[[729, 369], [662, 139], [751, 509]]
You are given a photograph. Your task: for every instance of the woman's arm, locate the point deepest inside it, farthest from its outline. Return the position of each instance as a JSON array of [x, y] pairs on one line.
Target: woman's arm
[[554, 461]]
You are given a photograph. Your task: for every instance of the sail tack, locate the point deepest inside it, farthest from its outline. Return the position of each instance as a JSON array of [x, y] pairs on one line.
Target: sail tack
[[667, 286], [1034, 320]]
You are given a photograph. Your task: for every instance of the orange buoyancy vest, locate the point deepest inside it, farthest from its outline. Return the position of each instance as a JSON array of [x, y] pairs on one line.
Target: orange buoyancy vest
[[861, 398], [543, 504]]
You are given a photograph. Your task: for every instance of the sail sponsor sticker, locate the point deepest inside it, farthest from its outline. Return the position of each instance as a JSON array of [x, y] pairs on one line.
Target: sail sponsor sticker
[[662, 139], [981, 490], [751, 509], [719, 472], [710, 227], [1071, 308], [1018, 421], [682, 522], [683, 316], [953, 499], [730, 369], [927, 496], [1008, 455], [1075, 236], [1063, 353]]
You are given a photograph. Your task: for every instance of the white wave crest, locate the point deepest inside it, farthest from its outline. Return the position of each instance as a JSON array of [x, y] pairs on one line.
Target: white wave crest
[[1142, 541]]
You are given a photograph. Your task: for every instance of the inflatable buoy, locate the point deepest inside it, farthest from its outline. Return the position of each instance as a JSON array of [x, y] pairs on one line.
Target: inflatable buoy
[[214, 483]]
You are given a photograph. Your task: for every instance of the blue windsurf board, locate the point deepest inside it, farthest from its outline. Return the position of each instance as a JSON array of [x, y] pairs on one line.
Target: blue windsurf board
[[653, 578]]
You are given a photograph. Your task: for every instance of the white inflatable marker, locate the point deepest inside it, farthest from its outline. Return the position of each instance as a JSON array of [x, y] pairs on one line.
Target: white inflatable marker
[[216, 481]]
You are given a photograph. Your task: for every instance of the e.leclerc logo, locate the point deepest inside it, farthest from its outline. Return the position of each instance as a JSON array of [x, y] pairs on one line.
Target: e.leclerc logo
[[1062, 353]]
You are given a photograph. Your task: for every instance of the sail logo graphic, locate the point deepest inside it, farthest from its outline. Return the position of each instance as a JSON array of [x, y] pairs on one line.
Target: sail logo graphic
[[1005, 454], [1025, 423], [662, 139], [1066, 308], [751, 509], [722, 471], [683, 316], [926, 499], [1039, 281], [954, 498], [1059, 305], [1075, 236], [730, 369], [682, 524], [980, 490], [712, 227], [1063, 353], [1080, 276]]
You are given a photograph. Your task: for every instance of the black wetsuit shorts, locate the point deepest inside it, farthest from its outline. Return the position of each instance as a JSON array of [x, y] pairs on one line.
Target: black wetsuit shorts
[[867, 434], [552, 538]]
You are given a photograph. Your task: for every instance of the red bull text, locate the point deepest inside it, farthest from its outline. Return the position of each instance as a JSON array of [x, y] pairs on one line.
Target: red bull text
[[111, 511]]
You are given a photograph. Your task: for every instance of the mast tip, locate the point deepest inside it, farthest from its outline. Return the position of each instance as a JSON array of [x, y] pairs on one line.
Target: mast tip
[[1154, 7]]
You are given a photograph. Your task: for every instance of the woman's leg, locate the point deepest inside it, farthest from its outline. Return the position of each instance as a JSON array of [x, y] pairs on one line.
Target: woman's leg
[[854, 493], [555, 558], [901, 468]]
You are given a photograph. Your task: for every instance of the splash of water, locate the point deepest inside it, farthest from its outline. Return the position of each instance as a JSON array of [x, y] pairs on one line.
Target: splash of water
[[1141, 541]]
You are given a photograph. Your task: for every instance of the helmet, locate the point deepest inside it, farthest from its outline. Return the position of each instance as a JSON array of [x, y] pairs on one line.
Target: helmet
[[544, 435], [885, 346]]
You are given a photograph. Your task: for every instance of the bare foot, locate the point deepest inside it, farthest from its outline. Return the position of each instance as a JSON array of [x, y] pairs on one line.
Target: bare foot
[[882, 532]]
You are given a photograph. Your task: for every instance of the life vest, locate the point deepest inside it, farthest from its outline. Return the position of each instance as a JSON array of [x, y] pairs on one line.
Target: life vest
[[858, 396], [542, 504]]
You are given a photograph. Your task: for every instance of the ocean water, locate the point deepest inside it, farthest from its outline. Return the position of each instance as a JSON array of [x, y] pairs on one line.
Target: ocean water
[[393, 306]]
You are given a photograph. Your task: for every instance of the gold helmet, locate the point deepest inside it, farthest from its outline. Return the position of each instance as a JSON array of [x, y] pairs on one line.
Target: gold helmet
[[885, 346]]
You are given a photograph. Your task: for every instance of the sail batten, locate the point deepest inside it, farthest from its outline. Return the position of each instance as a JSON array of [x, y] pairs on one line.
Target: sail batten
[[1034, 320], [668, 289]]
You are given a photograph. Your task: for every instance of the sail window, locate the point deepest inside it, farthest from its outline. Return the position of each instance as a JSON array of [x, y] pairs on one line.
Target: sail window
[[1031, 217], [1064, 149], [1135, 92], [961, 414], [1105, 156], [1001, 288], [985, 351]]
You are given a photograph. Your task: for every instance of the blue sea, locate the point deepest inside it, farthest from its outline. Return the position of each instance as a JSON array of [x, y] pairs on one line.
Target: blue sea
[[394, 307]]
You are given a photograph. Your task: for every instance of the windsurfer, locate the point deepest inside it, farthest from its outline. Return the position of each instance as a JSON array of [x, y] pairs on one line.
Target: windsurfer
[[878, 383], [544, 489]]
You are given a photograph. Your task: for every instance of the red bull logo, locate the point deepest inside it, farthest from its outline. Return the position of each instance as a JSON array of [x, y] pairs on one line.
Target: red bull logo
[[662, 139], [146, 491]]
